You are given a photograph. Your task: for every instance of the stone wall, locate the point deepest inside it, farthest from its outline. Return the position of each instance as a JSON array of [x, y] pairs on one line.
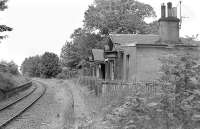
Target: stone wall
[[148, 64], [145, 63], [129, 74]]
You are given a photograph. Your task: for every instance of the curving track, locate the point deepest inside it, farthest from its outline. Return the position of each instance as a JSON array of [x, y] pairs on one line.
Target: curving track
[[11, 110]]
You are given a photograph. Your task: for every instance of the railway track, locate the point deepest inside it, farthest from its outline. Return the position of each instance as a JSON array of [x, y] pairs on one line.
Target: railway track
[[11, 110]]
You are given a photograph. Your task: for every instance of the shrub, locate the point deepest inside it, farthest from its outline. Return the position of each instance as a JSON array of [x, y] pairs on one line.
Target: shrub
[[67, 73], [49, 65], [31, 66], [10, 67], [45, 66], [13, 68], [61, 76], [6, 81]]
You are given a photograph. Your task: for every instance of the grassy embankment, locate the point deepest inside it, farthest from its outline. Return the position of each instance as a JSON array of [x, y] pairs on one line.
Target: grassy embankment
[[10, 77]]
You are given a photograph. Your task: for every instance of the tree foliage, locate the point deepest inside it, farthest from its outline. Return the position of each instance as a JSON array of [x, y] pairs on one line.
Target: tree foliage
[[152, 28], [76, 52], [3, 28], [118, 16], [49, 65], [31, 66], [46, 65], [11, 67], [3, 5]]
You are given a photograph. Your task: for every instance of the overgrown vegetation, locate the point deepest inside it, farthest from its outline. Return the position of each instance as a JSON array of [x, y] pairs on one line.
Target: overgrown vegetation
[[46, 65], [76, 53], [67, 73], [181, 90], [6, 81], [120, 106], [10, 67], [9, 75]]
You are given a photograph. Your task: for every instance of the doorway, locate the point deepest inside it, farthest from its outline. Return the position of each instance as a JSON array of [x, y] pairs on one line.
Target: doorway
[[103, 71]]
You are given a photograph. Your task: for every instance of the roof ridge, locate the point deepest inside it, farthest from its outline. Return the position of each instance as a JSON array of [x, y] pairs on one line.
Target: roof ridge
[[132, 38], [135, 34]]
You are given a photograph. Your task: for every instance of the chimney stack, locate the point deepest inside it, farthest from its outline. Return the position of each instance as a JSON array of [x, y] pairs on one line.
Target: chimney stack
[[169, 26], [174, 12], [163, 8], [169, 9]]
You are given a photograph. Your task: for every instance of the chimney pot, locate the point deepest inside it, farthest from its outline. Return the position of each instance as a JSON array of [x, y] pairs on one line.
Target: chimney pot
[[174, 12], [169, 4], [169, 7], [163, 8]]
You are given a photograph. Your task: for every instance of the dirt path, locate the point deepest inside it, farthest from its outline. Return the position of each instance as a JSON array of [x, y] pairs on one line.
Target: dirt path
[[82, 115], [50, 112], [86, 117]]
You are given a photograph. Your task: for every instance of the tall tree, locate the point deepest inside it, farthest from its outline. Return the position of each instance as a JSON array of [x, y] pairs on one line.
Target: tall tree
[[3, 28], [31, 66], [69, 56], [3, 5], [47, 65], [118, 16], [50, 66], [151, 28], [76, 52]]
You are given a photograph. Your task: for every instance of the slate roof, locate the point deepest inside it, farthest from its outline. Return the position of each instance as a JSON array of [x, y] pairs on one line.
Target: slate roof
[[98, 54], [133, 39], [125, 39]]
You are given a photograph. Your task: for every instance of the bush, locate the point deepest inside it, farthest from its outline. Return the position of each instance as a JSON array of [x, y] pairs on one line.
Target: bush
[[31, 66], [67, 73], [6, 81], [61, 76], [10, 67], [49, 65], [45, 66], [13, 68]]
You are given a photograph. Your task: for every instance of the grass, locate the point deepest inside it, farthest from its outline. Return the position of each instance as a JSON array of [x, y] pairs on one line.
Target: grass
[[99, 106], [115, 97], [117, 106], [115, 91]]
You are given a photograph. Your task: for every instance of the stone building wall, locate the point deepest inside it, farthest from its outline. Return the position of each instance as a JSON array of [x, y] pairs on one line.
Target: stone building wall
[[129, 73], [144, 61], [148, 64]]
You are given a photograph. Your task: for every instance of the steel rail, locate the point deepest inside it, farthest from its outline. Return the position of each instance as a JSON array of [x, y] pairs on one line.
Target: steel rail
[[35, 97], [17, 100]]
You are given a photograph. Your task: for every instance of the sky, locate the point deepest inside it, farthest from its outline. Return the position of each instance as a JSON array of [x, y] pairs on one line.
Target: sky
[[45, 25]]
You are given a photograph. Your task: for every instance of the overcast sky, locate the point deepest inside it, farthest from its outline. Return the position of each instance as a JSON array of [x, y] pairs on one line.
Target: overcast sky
[[45, 25]]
